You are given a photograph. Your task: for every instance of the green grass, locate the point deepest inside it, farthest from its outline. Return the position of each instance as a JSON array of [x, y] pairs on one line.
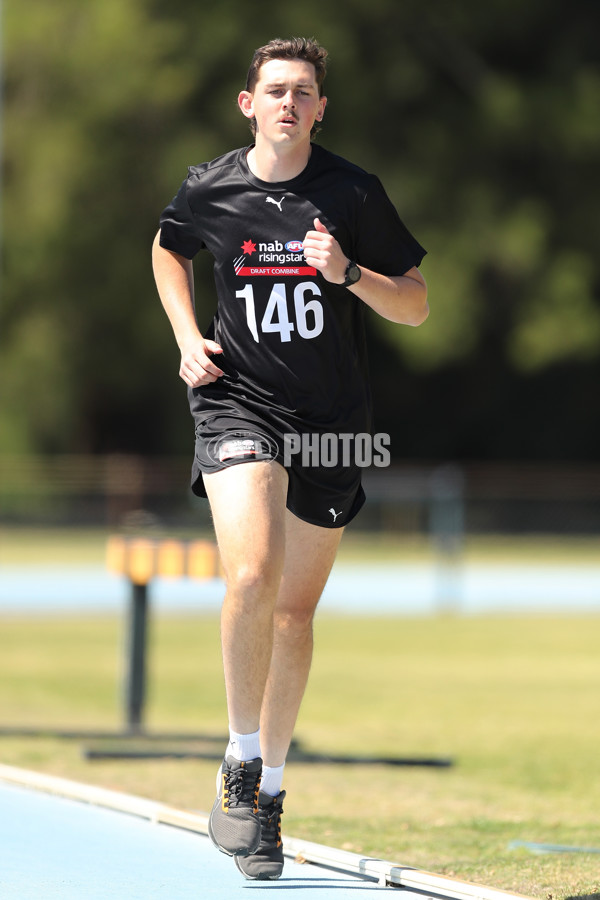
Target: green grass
[[87, 546], [513, 700]]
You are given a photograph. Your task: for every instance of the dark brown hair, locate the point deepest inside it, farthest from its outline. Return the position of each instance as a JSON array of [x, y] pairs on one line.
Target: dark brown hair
[[306, 49]]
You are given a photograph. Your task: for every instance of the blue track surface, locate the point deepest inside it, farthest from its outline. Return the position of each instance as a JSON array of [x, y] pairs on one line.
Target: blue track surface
[[51, 847]]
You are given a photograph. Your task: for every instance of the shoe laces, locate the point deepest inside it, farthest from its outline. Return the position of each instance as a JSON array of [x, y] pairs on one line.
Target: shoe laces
[[242, 787], [270, 822]]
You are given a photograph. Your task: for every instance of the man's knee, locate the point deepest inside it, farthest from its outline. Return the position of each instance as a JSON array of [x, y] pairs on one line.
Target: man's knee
[[252, 581], [294, 620]]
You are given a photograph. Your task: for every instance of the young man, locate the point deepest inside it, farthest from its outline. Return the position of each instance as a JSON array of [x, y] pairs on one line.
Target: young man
[[302, 240]]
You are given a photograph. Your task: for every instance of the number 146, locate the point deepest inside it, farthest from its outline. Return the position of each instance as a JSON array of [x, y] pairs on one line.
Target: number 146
[[276, 317]]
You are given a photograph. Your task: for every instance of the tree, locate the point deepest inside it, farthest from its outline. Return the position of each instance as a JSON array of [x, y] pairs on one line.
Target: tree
[[480, 120]]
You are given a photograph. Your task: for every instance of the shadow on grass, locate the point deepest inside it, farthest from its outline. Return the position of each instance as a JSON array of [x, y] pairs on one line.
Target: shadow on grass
[[140, 744], [584, 897]]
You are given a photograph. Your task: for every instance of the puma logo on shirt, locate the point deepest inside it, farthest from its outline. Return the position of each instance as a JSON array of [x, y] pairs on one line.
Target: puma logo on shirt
[[277, 203]]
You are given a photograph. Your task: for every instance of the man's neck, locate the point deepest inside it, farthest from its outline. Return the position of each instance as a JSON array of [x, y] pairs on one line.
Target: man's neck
[[266, 163]]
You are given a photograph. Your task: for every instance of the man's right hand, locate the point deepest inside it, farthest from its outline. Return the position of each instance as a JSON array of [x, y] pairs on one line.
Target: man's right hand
[[197, 367]]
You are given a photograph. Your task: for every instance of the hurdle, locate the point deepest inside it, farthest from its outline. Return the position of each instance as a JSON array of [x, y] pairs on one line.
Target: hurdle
[[141, 560]]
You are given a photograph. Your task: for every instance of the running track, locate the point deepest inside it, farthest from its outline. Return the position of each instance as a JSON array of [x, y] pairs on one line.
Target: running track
[[53, 847], [60, 840]]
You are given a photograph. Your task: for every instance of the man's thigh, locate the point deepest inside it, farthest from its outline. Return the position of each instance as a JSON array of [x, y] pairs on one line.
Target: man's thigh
[[248, 505]]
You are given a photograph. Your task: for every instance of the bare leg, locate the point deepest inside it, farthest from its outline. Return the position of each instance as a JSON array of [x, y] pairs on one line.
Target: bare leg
[[309, 555], [248, 507]]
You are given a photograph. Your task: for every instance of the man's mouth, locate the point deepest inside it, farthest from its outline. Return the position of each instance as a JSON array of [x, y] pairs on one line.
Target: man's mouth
[[288, 120]]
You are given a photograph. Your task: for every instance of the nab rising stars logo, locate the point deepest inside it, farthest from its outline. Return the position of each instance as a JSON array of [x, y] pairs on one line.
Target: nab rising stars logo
[[287, 256]]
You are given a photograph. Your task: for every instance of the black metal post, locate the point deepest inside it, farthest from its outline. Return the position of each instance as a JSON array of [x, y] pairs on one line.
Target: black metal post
[[135, 685]]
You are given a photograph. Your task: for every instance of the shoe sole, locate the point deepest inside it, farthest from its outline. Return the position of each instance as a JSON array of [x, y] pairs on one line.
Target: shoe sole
[[254, 877]]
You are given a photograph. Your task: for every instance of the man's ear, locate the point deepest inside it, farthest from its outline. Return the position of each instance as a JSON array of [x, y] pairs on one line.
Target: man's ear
[[246, 104], [321, 111]]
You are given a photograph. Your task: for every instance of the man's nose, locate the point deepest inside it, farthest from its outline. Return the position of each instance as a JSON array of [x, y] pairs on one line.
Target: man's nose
[[288, 100]]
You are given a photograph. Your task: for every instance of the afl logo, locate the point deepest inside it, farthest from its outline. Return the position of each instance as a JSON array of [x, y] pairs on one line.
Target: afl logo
[[294, 246]]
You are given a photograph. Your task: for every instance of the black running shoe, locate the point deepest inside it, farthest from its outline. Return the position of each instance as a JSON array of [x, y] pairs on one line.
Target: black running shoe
[[234, 823], [267, 863]]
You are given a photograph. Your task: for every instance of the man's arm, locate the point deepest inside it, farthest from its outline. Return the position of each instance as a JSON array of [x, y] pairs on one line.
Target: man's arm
[[399, 298], [174, 278]]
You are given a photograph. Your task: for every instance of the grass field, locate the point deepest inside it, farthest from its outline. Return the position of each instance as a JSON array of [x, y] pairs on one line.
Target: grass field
[[512, 700], [86, 546]]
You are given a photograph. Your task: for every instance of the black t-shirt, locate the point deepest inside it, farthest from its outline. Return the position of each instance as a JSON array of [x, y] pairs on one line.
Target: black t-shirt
[[293, 344]]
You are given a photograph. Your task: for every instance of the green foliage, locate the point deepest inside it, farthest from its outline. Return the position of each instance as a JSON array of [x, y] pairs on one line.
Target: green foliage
[[481, 120]]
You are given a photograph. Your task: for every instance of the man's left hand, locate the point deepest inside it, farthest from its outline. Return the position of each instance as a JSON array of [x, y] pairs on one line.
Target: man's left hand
[[322, 251]]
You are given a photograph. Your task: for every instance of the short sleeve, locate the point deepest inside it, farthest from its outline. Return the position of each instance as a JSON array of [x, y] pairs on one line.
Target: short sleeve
[[178, 228], [384, 243]]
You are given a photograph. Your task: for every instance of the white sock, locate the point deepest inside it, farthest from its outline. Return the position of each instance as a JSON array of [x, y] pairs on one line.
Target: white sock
[[271, 780], [243, 746]]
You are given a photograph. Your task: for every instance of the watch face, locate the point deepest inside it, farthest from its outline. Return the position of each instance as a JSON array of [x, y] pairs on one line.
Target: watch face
[[353, 274]]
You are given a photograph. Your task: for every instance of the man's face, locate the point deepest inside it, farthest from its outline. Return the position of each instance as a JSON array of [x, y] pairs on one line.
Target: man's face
[[285, 101]]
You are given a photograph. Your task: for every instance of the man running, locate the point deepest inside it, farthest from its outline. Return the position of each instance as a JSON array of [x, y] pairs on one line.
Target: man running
[[301, 240]]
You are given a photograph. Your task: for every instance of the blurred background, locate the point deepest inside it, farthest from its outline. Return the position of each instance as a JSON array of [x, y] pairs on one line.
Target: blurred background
[[482, 122]]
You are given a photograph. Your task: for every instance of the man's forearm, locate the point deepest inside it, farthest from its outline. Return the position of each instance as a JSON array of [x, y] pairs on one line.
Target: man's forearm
[[399, 298], [174, 276], [175, 283]]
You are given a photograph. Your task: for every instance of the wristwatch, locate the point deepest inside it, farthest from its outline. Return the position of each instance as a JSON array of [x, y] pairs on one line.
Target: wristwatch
[[352, 274]]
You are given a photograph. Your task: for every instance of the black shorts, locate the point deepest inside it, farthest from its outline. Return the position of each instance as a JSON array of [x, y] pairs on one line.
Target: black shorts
[[329, 495]]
